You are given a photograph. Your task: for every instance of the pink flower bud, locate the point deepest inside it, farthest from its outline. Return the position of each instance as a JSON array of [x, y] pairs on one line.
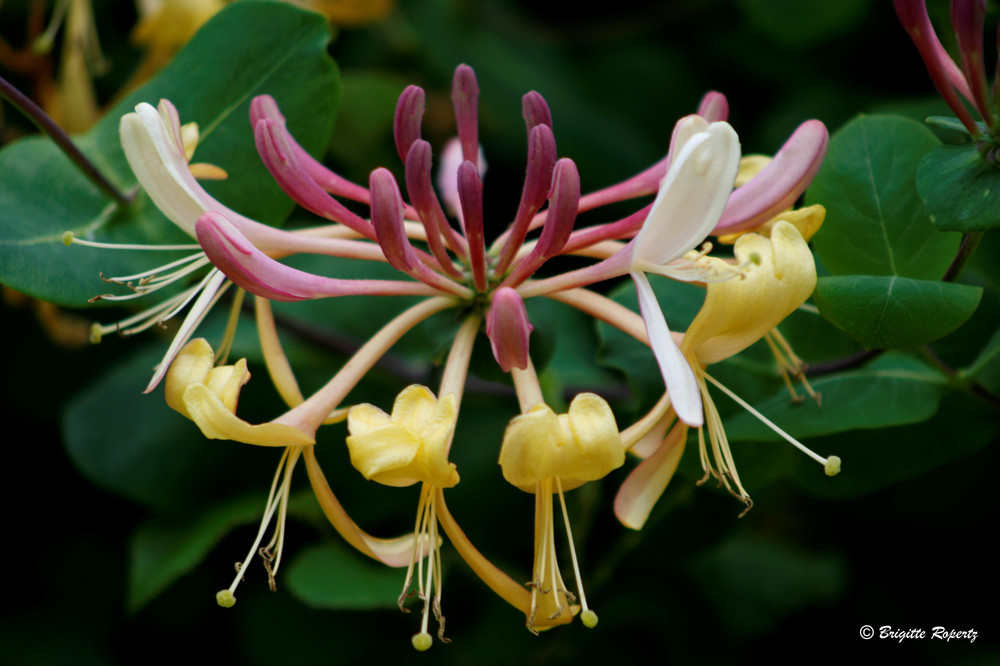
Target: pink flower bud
[[387, 218], [535, 110], [409, 115], [465, 97], [508, 328]]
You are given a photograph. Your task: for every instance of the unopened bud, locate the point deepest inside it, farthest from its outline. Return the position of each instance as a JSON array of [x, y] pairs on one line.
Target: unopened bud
[[508, 329], [409, 115]]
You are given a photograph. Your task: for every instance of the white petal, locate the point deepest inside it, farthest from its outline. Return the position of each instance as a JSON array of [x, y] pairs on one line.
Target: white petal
[[677, 374], [692, 195], [160, 168]]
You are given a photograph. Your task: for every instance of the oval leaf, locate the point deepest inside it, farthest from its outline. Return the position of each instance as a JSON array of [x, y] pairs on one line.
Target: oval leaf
[[960, 189], [281, 51], [333, 577], [893, 391], [875, 222], [894, 312]]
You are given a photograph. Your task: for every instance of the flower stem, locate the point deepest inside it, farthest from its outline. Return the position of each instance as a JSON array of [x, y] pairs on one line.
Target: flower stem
[[48, 127], [970, 242]]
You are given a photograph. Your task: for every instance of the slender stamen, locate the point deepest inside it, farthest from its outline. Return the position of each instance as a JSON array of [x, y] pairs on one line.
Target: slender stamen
[[587, 616], [831, 464], [790, 365], [227, 598], [151, 281]]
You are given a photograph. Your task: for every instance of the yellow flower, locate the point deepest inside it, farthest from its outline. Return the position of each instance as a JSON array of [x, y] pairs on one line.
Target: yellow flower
[[547, 453], [409, 446], [777, 275], [401, 449], [582, 445], [208, 396]]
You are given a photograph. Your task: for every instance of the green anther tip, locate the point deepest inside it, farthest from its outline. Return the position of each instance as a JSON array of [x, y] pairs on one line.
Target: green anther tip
[[67, 238], [422, 641], [589, 618], [95, 334], [755, 258], [225, 598], [832, 466]]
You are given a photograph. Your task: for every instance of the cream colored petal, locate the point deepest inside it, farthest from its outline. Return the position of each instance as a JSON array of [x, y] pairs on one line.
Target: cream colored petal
[[207, 410], [644, 485], [691, 197], [191, 366], [677, 374], [738, 312], [393, 552]]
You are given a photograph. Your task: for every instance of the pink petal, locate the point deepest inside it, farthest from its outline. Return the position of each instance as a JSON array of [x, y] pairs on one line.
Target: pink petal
[[253, 270], [781, 182]]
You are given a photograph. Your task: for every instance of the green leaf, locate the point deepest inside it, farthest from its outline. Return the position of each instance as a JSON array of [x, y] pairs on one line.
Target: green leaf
[[876, 459], [161, 551], [986, 367], [960, 189], [281, 51], [333, 577], [894, 312], [876, 223], [894, 390]]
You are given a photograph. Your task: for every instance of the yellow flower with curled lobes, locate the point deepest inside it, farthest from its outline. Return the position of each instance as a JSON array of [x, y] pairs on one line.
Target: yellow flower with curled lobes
[[208, 395], [410, 446], [778, 274], [547, 453]]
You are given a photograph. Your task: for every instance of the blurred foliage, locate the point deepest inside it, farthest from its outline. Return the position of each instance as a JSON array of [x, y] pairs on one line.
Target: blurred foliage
[[137, 532]]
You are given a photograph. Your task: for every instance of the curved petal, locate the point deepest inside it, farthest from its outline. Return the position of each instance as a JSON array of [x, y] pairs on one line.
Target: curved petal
[[740, 311], [644, 485], [256, 272], [780, 183], [216, 422], [692, 195], [677, 374], [151, 141]]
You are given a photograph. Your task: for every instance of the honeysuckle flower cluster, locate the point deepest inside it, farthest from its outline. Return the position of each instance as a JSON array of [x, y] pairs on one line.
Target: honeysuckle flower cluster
[[440, 249]]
